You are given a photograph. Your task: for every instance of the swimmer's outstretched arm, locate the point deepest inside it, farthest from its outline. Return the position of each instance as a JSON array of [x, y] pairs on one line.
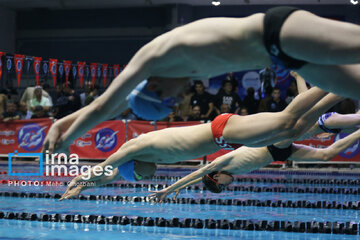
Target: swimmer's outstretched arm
[[177, 191], [307, 153], [87, 185], [125, 153], [114, 97], [216, 165]]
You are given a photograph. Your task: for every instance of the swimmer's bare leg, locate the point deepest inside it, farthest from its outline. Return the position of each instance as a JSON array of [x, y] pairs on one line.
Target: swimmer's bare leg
[[343, 80], [320, 40], [270, 127]]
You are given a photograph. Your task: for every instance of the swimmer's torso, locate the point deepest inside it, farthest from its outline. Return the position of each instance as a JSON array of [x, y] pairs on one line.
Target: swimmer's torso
[[246, 159], [179, 144], [210, 47]]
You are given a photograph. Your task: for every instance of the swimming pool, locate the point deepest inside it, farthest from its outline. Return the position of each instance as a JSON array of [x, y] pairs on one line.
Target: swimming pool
[[253, 208]]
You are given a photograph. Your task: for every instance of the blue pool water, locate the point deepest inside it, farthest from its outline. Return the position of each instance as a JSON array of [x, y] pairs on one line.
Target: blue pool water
[[17, 229]]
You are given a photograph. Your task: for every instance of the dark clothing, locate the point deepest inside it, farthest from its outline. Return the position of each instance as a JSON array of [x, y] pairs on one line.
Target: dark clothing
[[202, 100], [280, 154], [8, 114], [273, 106], [273, 21], [251, 104], [66, 107], [232, 100], [191, 118]]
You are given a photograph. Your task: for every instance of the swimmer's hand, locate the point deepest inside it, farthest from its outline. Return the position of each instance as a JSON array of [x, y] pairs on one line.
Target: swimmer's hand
[[176, 194], [71, 189], [71, 193], [53, 142], [159, 196]]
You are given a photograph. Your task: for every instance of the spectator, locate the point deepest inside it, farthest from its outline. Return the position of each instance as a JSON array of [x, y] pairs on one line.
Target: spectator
[[39, 105], [173, 118], [227, 96], [184, 108], [276, 104], [11, 112], [224, 108], [250, 102], [24, 112], [12, 93], [204, 100], [235, 83], [195, 114], [94, 94], [292, 92], [3, 100], [242, 111], [68, 103], [86, 93], [127, 115], [267, 78], [29, 94]]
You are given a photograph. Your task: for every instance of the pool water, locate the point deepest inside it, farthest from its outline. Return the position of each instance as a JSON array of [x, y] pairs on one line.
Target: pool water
[[19, 229]]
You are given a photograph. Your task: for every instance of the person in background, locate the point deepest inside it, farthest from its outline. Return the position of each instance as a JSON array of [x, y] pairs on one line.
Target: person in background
[[3, 100], [291, 92], [203, 99], [276, 103], [235, 83], [224, 108], [68, 103], [267, 78], [250, 102], [242, 111], [173, 118], [86, 93], [94, 94], [11, 112], [227, 96], [29, 94], [184, 108], [195, 114], [40, 105], [23, 111], [127, 115]]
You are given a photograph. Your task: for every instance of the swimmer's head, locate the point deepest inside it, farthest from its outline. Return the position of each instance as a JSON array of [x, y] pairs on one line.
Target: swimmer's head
[[144, 170], [217, 181]]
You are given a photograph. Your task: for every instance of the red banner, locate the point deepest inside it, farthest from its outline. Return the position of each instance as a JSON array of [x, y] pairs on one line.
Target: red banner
[[1, 54], [116, 70], [53, 69], [93, 73], [23, 135], [136, 128], [37, 64], [81, 66], [67, 68], [101, 141], [106, 138], [105, 72], [19, 62]]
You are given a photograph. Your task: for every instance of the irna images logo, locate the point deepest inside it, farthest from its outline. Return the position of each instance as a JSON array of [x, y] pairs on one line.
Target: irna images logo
[[33, 155]]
